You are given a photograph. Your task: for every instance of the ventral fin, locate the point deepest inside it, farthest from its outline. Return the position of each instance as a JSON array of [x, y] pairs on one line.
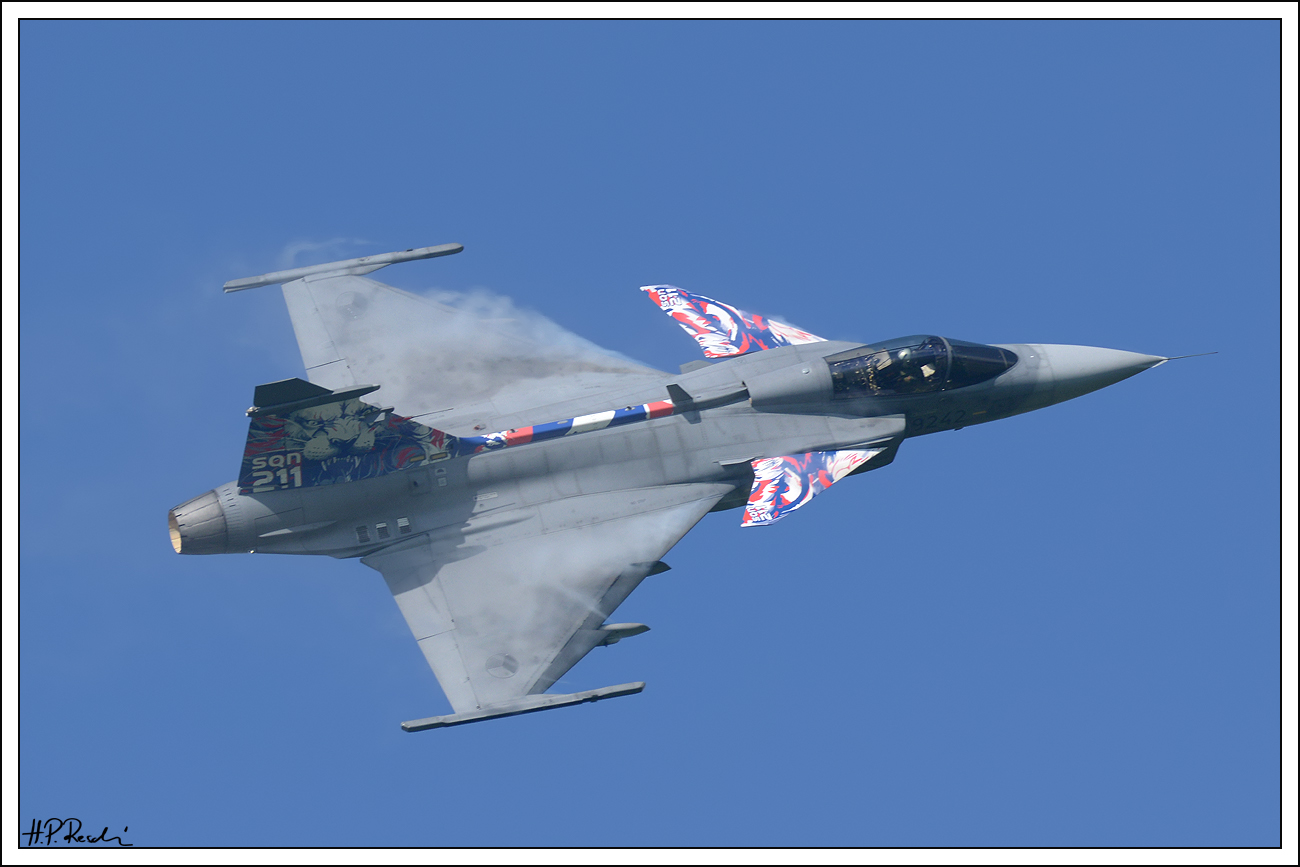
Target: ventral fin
[[783, 484], [722, 330]]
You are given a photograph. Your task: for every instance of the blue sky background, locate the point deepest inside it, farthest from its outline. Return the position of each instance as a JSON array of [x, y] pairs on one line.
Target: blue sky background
[[1059, 630]]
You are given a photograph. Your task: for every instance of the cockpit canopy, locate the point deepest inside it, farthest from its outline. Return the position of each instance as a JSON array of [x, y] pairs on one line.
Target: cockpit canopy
[[914, 365]]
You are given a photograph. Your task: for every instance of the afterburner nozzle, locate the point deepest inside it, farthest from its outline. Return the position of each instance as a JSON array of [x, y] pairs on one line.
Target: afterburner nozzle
[[199, 526]]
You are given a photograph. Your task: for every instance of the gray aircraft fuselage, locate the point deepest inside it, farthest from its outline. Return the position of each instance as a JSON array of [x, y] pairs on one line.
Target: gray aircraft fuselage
[[774, 402]]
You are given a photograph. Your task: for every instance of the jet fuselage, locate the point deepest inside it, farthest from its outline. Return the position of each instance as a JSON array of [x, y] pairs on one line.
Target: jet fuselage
[[781, 401]]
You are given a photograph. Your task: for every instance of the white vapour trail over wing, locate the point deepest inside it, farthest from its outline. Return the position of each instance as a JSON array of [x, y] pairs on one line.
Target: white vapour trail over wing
[[430, 356], [504, 612]]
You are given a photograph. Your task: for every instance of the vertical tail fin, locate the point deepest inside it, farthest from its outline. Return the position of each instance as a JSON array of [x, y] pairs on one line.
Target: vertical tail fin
[[303, 435]]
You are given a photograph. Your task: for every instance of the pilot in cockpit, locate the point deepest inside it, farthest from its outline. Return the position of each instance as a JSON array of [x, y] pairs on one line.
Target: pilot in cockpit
[[917, 373]]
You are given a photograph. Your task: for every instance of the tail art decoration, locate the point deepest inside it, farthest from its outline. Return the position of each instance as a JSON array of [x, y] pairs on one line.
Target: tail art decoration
[[783, 484], [296, 446], [722, 330], [334, 443]]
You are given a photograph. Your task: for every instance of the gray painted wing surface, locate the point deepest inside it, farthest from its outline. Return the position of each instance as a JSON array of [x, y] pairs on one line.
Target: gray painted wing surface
[[504, 620], [429, 356]]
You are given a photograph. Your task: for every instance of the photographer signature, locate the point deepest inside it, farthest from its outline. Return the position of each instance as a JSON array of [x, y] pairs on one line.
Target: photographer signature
[[50, 827]]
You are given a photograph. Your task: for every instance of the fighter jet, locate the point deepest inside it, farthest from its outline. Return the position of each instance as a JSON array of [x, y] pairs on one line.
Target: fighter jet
[[511, 514]]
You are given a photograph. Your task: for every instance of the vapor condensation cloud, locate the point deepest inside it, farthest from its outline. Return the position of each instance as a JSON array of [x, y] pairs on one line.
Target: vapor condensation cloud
[[444, 350]]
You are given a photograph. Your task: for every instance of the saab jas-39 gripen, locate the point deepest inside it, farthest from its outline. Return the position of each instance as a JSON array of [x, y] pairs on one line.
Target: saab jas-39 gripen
[[513, 495]]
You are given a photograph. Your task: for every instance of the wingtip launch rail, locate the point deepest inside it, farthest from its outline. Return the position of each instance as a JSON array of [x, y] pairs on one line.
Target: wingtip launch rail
[[363, 265], [527, 704]]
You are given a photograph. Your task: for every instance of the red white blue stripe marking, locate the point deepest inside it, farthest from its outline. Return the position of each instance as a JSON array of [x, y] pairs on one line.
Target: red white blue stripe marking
[[555, 429]]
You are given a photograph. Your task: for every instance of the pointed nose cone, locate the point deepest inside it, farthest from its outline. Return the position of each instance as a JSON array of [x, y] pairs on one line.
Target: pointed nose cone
[[1077, 370]]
